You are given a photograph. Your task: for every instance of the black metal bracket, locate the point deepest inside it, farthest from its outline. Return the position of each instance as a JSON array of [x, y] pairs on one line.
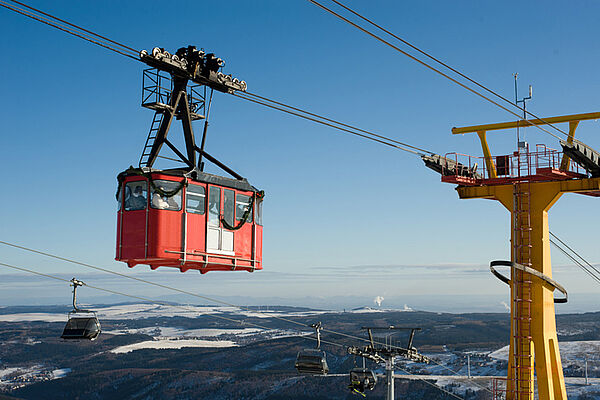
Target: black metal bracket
[[174, 102]]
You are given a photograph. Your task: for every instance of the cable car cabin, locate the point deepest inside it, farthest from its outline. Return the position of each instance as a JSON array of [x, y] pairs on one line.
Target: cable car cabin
[[81, 325], [210, 223], [311, 362]]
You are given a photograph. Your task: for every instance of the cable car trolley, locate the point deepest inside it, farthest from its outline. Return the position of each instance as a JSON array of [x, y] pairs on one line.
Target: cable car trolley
[[361, 380], [82, 324], [184, 217]]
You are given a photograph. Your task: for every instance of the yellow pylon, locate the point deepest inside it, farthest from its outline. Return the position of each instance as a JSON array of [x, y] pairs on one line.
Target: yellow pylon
[[534, 343]]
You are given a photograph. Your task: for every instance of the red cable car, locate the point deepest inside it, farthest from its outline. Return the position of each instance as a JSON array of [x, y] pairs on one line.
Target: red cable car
[[210, 223], [184, 217]]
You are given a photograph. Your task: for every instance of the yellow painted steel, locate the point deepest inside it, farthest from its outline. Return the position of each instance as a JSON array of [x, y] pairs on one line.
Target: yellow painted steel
[[543, 346], [565, 162], [489, 162], [525, 123]]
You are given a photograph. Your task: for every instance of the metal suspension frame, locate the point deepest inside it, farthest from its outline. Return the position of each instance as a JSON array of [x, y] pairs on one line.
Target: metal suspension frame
[[187, 65], [76, 283]]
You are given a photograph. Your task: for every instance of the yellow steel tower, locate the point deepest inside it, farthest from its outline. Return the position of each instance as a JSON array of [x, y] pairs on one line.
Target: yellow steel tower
[[528, 183]]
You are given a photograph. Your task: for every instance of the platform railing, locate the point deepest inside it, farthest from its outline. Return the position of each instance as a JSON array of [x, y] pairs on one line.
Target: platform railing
[[519, 164]]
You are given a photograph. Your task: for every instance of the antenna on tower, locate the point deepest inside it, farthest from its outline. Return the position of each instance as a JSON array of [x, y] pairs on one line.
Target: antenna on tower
[[521, 144]]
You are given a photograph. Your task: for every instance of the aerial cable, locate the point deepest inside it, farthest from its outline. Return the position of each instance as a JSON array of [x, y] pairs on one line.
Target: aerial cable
[[65, 29], [338, 123], [213, 300], [101, 40], [589, 271], [444, 64], [439, 387], [160, 303], [562, 250], [134, 51], [574, 252], [341, 128], [433, 68]]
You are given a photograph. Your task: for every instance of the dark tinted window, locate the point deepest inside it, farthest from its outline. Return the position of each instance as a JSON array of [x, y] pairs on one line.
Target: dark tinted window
[[136, 195]]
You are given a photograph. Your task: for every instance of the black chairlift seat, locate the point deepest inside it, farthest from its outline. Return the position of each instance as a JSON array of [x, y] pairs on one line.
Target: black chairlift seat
[[362, 379], [311, 362], [82, 325]]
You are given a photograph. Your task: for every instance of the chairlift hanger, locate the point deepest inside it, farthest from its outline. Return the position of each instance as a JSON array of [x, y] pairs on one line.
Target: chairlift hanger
[[81, 324]]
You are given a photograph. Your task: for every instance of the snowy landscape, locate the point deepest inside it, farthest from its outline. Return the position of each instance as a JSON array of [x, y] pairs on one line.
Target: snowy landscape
[[134, 329]]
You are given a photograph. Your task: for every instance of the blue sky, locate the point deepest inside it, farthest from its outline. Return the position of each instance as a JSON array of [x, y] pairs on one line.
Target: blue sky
[[336, 205]]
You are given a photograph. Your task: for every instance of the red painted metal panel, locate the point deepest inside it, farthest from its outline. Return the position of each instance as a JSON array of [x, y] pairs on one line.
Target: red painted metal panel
[[165, 235]]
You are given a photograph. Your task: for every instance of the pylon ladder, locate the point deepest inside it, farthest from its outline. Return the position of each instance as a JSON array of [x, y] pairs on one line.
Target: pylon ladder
[[522, 356]]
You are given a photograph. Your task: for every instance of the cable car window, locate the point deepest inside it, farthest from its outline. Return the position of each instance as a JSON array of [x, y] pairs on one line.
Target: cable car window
[[163, 202], [241, 205], [259, 211], [228, 206], [120, 198], [136, 195], [214, 206], [195, 199]]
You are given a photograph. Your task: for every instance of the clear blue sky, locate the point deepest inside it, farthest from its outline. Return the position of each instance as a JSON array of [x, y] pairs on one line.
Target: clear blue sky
[[335, 204]]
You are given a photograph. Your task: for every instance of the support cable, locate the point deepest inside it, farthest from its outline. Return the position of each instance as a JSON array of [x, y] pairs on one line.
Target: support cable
[[160, 303], [341, 128], [134, 51], [589, 269], [337, 122], [423, 63], [65, 29], [446, 65], [213, 300]]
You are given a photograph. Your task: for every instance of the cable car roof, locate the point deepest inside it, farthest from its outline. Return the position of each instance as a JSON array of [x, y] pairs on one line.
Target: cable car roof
[[196, 175]]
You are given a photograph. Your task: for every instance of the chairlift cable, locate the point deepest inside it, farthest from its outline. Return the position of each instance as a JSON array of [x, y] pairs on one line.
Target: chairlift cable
[[192, 294], [433, 384], [432, 68], [156, 302], [213, 300], [445, 65]]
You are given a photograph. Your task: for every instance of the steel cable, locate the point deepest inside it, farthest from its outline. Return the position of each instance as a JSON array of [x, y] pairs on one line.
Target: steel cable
[[213, 300], [341, 128], [145, 299], [63, 28], [445, 65], [423, 63], [338, 123]]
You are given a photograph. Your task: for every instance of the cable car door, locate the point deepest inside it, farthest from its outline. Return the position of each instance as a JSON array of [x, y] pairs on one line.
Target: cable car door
[[219, 239]]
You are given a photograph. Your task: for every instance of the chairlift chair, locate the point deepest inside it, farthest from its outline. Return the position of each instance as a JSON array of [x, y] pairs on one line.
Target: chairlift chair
[[362, 379], [82, 324], [312, 361]]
